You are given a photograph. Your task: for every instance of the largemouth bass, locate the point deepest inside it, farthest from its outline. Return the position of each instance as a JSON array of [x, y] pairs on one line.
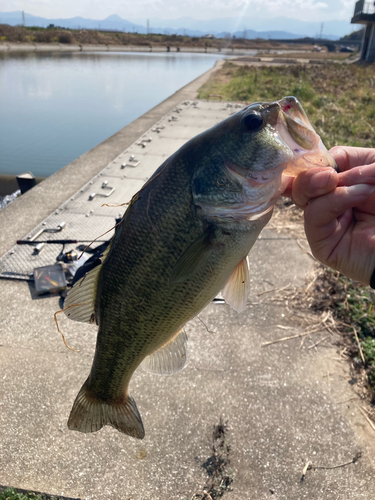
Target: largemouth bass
[[184, 238]]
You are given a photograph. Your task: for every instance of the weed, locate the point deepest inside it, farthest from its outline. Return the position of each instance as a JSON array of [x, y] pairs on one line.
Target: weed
[[11, 494], [220, 476], [353, 306]]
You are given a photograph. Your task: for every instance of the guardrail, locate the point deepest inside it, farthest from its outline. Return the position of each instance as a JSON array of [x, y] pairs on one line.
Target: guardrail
[[362, 7]]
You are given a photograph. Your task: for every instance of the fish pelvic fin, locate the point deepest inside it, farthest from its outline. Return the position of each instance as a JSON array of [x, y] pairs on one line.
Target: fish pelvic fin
[[90, 414]]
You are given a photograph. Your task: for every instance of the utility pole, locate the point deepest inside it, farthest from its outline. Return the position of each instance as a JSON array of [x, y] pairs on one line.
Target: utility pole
[[23, 18], [321, 31], [245, 33], [148, 26]]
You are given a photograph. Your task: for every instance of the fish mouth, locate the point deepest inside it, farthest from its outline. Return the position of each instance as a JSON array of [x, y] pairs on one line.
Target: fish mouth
[[293, 130], [297, 133]]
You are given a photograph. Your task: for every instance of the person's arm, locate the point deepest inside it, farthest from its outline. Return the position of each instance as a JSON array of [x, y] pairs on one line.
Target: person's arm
[[339, 212]]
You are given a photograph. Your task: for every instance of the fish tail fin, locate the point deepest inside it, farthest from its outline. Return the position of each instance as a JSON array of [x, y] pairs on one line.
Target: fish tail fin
[[90, 414]]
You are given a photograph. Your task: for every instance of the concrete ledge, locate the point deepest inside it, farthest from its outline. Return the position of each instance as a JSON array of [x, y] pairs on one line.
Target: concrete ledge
[[64, 47]]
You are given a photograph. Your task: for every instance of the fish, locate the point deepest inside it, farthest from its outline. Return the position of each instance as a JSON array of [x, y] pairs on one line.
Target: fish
[[184, 237]]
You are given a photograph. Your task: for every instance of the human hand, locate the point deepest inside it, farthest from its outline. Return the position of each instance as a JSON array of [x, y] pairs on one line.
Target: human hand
[[339, 211]]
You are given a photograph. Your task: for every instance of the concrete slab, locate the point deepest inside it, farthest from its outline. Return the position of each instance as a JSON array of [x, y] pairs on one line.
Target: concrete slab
[[284, 405]]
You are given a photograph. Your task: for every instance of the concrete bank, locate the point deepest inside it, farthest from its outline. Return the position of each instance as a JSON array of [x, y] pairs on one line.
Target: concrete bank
[[286, 404], [65, 47]]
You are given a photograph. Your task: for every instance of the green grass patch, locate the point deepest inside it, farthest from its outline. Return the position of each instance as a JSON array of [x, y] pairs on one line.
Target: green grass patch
[[18, 494], [11, 494], [339, 99]]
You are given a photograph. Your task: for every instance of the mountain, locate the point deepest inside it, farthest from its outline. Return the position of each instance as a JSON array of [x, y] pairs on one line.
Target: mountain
[[280, 27], [113, 22]]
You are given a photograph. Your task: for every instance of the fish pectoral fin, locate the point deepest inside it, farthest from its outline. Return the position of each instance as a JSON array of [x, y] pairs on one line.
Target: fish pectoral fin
[[193, 258], [237, 288], [79, 304], [170, 358], [90, 415]]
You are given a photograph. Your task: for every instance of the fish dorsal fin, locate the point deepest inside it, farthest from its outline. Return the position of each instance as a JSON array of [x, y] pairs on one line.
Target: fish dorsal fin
[[79, 304], [193, 258], [170, 358], [237, 288]]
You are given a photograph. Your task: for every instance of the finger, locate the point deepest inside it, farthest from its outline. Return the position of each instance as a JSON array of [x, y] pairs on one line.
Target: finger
[[358, 175], [312, 184], [347, 157], [325, 209]]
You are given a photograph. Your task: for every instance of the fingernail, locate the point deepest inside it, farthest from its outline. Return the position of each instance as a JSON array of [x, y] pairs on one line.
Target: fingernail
[[320, 180], [360, 189]]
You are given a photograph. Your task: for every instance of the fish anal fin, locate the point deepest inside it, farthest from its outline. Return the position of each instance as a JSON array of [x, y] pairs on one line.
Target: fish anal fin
[[170, 358], [237, 288], [90, 415], [83, 294]]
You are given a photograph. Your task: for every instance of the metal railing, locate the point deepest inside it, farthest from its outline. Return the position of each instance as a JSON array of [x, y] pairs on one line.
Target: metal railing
[[362, 7]]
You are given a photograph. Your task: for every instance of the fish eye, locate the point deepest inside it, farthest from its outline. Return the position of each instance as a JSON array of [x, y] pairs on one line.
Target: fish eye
[[253, 121]]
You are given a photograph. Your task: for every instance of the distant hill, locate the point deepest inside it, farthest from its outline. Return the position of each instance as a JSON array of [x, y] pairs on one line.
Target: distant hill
[[268, 29]]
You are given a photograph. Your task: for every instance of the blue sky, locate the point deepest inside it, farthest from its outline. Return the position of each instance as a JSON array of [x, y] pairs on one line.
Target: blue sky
[[304, 10]]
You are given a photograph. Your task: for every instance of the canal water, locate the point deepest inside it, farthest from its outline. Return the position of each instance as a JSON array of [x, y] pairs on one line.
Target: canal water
[[56, 106]]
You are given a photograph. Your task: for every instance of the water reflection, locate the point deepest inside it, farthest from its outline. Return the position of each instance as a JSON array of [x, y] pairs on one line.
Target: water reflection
[[56, 106]]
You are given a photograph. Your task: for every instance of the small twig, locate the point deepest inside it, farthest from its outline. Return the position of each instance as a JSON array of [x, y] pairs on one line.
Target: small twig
[[353, 461], [274, 290], [345, 401], [359, 345], [57, 324], [367, 418], [305, 251], [342, 353], [284, 338], [304, 471], [303, 341], [311, 284], [209, 331], [110, 205], [317, 343]]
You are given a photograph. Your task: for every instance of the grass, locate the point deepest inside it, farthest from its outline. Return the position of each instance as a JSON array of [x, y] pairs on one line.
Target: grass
[[18, 494], [12, 494], [56, 34], [353, 307], [339, 99]]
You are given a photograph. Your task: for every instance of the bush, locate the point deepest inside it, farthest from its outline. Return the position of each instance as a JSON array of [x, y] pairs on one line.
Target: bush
[[66, 37]]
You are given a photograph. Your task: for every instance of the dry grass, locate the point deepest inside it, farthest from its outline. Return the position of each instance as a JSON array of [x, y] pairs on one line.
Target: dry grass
[[339, 98], [51, 35]]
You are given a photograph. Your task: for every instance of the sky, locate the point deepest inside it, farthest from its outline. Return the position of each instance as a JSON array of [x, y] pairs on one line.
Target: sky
[[304, 10]]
